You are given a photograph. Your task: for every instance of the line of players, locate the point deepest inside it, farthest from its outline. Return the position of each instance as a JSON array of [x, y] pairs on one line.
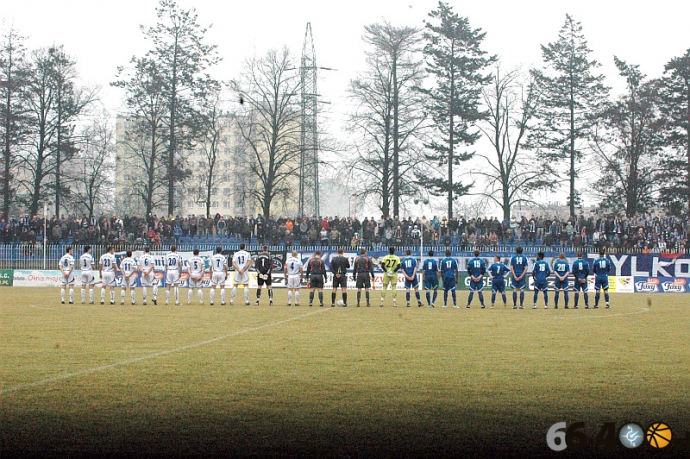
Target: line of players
[[144, 268], [316, 276]]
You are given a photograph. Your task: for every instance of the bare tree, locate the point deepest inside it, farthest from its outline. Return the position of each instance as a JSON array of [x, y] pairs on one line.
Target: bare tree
[[510, 171], [90, 173], [389, 117], [269, 123]]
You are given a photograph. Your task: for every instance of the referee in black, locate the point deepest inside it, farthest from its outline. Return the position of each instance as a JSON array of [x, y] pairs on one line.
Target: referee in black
[[339, 267], [264, 266], [316, 273], [364, 275]]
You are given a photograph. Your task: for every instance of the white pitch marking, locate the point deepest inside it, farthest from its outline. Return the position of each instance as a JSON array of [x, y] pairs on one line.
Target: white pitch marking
[[151, 356], [38, 307]]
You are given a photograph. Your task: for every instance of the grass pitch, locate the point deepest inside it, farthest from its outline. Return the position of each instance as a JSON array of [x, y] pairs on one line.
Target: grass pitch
[[167, 381]]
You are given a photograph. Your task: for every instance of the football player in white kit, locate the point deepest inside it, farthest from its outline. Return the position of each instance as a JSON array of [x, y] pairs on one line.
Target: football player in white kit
[[293, 277], [173, 264], [219, 270], [86, 263], [129, 278], [66, 265], [148, 277], [108, 269], [241, 261], [196, 267]]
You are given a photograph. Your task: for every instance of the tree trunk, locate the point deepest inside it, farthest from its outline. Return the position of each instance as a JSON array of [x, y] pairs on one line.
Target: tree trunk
[[173, 143], [58, 150], [7, 158], [572, 152], [396, 147]]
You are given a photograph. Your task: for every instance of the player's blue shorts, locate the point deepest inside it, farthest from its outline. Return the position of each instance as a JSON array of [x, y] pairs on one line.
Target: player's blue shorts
[[414, 283], [476, 286], [520, 285], [601, 282], [581, 286], [498, 286], [448, 283], [430, 283], [560, 285], [541, 285]]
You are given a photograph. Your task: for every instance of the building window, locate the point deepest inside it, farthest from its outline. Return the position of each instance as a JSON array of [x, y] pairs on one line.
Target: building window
[[226, 204], [215, 204], [226, 191]]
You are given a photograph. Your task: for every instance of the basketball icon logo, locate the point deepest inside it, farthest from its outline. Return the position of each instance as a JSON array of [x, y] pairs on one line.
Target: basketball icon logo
[[659, 435]]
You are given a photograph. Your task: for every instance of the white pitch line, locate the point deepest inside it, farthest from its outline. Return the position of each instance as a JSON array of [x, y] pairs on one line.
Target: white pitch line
[[151, 356], [38, 307]]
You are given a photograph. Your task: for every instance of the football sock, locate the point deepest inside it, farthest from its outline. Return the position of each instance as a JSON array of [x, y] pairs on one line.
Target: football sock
[[586, 295], [167, 296], [62, 295], [333, 297], [407, 296], [555, 298], [91, 295], [546, 298], [83, 295], [311, 297], [383, 293], [320, 297], [596, 298], [445, 297], [133, 295], [428, 297], [112, 296], [297, 297], [122, 296], [395, 294], [189, 295], [606, 296], [233, 294], [155, 292], [536, 296], [177, 294], [366, 294], [433, 299], [201, 295], [246, 294], [416, 294], [565, 297], [514, 298], [270, 295], [455, 301], [493, 297], [522, 298], [212, 294], [222, 294], [102, 295], [359, 296], [71, 295], [345, 297], [289, 297], [577, 298], [481, 297], [470, 298], [505, 300], [258, 293]]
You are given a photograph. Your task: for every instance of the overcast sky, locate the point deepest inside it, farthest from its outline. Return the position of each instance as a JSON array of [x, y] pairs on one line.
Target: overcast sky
[[102, 34]]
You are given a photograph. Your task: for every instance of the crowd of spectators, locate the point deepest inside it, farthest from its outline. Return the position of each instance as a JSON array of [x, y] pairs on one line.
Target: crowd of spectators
[[638, 234]]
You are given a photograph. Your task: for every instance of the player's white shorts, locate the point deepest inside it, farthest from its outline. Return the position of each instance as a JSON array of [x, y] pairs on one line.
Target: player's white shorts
[[293, 281], [67, 279], [241, 278], [218, 278], [87, 278], [129, 283], [148, 280], [196, 283], [108, 279], [172, 278]]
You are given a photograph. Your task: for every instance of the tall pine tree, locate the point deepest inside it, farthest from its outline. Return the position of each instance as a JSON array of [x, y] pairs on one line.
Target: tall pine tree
[[572, 96], [674, 90], [457, 64]]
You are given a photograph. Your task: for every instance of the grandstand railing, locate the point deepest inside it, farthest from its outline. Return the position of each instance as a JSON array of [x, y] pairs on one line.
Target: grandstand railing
[[33, 256]]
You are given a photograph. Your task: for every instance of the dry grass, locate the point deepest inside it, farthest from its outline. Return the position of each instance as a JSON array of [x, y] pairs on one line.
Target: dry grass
[[367, 382]]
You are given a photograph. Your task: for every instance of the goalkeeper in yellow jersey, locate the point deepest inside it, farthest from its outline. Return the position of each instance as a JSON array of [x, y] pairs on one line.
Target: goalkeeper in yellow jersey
[[390, 265]]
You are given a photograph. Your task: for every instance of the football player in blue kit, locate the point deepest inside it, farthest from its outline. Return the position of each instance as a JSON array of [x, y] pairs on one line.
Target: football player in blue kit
[[581, 271], [476, 268], [518, 268], [601, 268], [449, 267], [498, 270], [430, 272], [409, 268], [561, 269], [541, 273]]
